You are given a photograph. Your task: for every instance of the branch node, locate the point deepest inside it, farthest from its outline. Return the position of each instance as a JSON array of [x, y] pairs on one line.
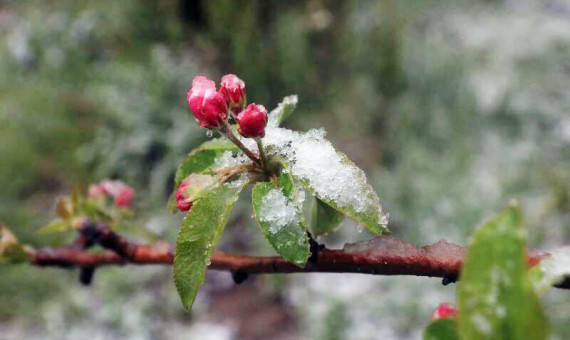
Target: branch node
[[239, 276], [447, 280], [86, 275]]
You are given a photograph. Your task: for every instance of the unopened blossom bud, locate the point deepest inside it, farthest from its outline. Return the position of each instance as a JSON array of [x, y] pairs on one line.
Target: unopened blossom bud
[[183, 203], [95, 191], [233, 90], [444, 310], [252, 121], [208, 106], [122, 194], [124, 197], [192, 188]]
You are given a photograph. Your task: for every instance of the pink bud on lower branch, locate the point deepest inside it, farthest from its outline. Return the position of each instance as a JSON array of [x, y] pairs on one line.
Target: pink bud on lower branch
[[121, 193], [252, 121]]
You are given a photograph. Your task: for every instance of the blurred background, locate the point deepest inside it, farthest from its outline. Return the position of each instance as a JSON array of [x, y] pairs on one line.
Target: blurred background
[[451, 107]]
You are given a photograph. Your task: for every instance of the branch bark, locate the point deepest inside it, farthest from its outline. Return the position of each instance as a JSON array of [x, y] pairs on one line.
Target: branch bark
[[380, 256]]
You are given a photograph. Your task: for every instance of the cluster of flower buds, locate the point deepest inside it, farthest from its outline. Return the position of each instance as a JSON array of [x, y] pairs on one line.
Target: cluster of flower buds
[[191, 189], [121, 193], [212, 108], [443, 311]]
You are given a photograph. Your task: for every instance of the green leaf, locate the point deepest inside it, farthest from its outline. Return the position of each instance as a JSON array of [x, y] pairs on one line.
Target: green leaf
[[496, 299], [443, 329], [551, 270], [282, 111], [327, 174], [55, 226], [280, 217], [200, 160], [199, 235], [324, 218]]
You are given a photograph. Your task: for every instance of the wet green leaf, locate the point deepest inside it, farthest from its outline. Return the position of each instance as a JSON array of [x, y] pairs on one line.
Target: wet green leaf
[[324, 218], [282, 111], [198, 237], [496, 298], [443, 329], [199, 161], [280, 217]]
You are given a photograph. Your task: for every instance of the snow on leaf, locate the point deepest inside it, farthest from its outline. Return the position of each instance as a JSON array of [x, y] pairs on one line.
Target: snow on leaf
[[278, 214], [328, 174], [551, 270], [496, 299]]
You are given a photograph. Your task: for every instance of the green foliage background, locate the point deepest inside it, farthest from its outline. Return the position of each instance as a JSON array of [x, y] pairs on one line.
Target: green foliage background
[[451, 107]]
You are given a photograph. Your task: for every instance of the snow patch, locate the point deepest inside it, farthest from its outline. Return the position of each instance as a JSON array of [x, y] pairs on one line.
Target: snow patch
[[329, 174], [277, 211]]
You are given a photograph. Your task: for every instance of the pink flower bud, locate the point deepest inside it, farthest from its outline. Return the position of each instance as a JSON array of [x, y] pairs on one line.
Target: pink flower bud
[[183, 203], [233, 90], [444, 310], [207, 105], [191, 189], [124, 197], [121, 193], [95, 191], [252, 121]]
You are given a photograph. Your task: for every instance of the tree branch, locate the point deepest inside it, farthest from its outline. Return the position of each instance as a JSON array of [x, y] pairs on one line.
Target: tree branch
[[380, 256]]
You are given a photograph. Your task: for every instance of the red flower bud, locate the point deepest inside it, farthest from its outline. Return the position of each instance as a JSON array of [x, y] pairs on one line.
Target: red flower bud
[[252, 121], [95, 191], [191, 189], [444, 310], [207, 105], [182, 201], [124, 197], [121, 193], [233, 90]]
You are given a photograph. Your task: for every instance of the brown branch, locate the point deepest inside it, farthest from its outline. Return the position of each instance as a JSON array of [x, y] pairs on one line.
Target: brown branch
[[379, 256]]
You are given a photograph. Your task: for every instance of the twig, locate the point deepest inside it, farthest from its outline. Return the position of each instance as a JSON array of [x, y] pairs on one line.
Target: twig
[[380, 256], [227, 130]]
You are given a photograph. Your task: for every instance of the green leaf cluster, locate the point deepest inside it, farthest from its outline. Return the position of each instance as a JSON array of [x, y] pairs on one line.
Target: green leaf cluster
[[277, 202]]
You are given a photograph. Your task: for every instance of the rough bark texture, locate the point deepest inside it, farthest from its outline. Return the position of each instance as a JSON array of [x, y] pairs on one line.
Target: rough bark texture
[[380, 256]]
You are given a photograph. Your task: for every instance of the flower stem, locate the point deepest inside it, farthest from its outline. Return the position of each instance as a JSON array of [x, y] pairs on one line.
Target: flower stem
[[262, 157], [227, 130]]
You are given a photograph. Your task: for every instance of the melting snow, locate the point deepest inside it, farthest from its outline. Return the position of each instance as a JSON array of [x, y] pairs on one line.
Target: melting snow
[[228, 159], [328, 173], [277, 211], [557, 266]]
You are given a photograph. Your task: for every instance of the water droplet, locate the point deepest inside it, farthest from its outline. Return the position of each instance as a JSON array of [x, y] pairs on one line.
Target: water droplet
[[209, 133]]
